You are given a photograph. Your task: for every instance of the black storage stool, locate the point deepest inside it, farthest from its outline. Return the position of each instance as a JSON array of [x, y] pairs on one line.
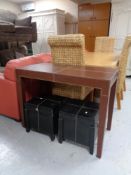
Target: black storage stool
[[42, 116], [78, 124], [91, 105], [86, 127], [66, 125], [31, 113], [74, 102]]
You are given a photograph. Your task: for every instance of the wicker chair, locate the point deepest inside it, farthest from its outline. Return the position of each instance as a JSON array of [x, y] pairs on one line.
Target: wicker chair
[[122, 70], [69, 50], [104, 44]]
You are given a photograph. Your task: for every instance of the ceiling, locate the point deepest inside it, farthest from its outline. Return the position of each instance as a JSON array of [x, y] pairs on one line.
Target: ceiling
[[77, 1], [21, 1]]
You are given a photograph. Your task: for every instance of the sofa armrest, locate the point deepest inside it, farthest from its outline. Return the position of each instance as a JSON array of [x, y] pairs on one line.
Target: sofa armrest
[[34, 31], [8, 98], [11, 66]]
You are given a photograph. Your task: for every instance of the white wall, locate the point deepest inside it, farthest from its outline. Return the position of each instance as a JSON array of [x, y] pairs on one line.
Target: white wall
[[70, 8], [4, 4], [120, 25], [66, 5]]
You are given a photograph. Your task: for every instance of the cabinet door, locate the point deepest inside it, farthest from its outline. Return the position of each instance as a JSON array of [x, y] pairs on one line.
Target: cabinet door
[[86, 27], [101, 11], [100, 28], [85, 12], [49, 23]]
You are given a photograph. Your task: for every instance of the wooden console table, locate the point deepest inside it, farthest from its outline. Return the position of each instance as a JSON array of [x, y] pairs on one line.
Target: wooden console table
[[98, 77]]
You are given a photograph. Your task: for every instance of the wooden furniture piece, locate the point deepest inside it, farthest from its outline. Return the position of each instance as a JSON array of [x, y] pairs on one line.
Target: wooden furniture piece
[[13, 29], [93, 21], [104, 44], [15, 32], [122, 70], [98, 77], [69, 50]]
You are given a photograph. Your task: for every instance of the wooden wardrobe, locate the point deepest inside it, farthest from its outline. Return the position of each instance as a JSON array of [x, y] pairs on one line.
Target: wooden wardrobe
[[94, 20]]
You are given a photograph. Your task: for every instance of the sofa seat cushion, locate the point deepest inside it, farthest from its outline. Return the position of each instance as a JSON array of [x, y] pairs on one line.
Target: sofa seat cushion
[[9, 72], [23, 29], [6, 26]]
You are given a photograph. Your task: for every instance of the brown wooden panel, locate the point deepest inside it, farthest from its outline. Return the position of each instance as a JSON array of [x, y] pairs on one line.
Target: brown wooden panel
[[101, 11], [85, 27], [89, 43], [85, 12], [100, 28], [93, 21]]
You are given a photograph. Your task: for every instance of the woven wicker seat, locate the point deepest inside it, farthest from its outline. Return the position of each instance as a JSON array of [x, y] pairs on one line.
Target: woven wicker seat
[[69, 50], [122, 70], [104, 44]]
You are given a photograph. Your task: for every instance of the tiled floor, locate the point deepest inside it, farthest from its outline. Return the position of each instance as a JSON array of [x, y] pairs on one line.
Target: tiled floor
[[31, 153]]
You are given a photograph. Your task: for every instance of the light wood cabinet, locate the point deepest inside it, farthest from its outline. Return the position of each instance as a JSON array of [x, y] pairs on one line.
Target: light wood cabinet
[[93, 21]]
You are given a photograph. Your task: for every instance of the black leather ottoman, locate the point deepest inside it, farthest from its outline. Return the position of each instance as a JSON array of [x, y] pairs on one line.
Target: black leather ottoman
[[78, 124], [67, 122], [74, 102], [56, 99], [31, 113], [86, 127], [42, 115]]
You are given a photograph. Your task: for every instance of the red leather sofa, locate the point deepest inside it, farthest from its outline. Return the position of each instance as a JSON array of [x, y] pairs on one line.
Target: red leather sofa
[[9, 105]]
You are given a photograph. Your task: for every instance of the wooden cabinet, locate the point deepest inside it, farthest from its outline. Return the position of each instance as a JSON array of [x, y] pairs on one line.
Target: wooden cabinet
[[101, 11], [85, 12], [93, 21]]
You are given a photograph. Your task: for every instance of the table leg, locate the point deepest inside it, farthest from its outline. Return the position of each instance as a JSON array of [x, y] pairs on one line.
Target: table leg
[[20, 95], [111, 106], [102, 120]]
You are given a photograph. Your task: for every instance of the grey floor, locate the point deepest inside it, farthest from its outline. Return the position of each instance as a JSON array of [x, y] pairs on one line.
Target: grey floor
[[32, 153]]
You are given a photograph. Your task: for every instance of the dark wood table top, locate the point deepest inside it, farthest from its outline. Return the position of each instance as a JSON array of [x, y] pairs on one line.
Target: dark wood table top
[[78, 75], [51, 71]]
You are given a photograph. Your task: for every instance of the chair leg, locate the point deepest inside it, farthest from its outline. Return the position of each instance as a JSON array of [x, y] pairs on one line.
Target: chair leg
[[118, 97], [124, 86], [121, 94]]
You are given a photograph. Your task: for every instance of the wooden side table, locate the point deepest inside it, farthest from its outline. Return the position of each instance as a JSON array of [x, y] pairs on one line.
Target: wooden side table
[[102, 78]]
